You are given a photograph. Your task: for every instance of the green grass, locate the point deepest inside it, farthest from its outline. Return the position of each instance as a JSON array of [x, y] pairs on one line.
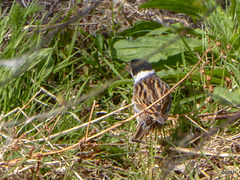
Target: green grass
[[50, 79]]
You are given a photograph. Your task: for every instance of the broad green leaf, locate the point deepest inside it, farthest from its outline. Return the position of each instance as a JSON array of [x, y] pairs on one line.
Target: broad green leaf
[[99, 42], [141, 28], [225, 97], [193, 8], [157, 45], [174, 74]]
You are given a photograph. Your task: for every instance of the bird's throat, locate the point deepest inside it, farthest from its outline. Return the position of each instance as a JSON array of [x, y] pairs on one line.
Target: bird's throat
[[143, 74]]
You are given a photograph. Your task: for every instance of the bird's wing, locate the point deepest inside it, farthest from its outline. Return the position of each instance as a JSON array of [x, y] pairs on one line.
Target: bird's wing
[[149, 91]]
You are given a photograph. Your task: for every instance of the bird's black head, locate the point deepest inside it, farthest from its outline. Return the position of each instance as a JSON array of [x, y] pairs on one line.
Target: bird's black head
[[138, 65]]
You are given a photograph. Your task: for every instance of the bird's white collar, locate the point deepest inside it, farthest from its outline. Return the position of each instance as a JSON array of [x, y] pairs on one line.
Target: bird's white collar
[[141, 75]]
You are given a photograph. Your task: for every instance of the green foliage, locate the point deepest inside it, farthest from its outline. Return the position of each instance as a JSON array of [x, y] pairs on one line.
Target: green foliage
[[193, 8], [223, 25], [140, 28], [19, 16], [159, 44], [225, 97], [17, 19], [234, 9], [171, 74]]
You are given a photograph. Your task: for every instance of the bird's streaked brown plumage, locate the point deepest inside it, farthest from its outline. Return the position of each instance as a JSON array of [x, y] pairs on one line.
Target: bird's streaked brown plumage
[[147, 90]]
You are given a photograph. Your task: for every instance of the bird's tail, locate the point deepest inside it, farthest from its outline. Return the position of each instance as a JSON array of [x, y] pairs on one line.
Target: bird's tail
[[143, 130]]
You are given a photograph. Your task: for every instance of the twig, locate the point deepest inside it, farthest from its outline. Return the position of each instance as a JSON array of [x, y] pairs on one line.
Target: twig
[[196, 124], [207, 153], [85, 124], [90, 117], [211, 116]]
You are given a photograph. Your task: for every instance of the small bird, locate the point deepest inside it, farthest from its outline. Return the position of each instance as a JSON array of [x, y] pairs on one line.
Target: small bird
[[148, 88]]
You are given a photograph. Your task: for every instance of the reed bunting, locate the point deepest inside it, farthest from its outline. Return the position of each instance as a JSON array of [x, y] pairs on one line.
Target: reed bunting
[[148, 88]]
